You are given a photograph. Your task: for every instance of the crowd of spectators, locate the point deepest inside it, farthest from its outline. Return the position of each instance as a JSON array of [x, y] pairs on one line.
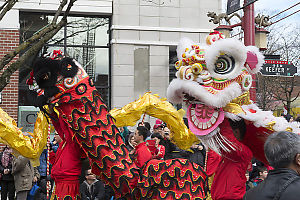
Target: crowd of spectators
[[21, 181]]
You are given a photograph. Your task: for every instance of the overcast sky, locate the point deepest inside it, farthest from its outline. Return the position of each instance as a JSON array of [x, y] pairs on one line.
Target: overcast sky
[[271, 7]]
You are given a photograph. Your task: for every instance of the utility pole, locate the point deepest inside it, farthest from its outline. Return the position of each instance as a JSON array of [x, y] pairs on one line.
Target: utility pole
[[248, 24], [249, 38]]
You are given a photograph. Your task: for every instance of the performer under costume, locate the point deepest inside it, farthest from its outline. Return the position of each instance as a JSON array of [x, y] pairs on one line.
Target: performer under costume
[[67, 166], [66, 86], [230, 184]]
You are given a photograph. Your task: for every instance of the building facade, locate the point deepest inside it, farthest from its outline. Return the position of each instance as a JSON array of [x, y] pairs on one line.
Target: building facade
[[127, 46], [144, 38]]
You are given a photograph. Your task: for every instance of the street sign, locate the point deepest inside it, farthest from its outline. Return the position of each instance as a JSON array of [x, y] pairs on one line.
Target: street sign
[[278, 68], [233, 6], [27, 117], [248, 2]]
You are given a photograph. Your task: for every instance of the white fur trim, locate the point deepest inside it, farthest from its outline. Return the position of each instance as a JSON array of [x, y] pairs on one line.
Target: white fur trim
[[177, 87], [232, 116], [262, 118], [231, 47], [260, 59], [182, 45]]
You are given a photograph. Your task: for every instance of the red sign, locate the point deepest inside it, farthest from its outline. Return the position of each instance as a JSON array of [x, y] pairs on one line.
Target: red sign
[[278, 68], [277, 62]]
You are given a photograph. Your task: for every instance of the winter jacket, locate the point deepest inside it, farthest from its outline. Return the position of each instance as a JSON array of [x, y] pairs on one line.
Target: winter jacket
[[43, 163], [54, 147], [41, 192], [23, 173], [142, 154], [95, 191], [267, 189]]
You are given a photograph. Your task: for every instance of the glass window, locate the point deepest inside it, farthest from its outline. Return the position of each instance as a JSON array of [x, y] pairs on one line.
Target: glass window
[[85, 39]]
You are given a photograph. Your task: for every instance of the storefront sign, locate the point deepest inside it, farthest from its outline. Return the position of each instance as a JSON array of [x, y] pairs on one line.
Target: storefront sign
[[278, 68]]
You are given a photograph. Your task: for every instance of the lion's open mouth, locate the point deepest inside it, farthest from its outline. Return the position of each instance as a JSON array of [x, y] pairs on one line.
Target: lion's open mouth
[[202, 119]]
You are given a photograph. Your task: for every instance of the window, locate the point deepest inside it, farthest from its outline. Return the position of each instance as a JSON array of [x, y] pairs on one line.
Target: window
[[85, 39], [172, 70]]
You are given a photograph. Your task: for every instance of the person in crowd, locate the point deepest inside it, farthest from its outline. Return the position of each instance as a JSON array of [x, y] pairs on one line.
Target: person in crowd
[[255, 165], [148, 127], [131, 143], [41, 192], [55, 143], [158, 127], [166, 132], [263, 173], [171, 150], [92, 188], [42, 168], [7, 180], [124, 133], [24, 175], [160, 149], [142, 154], [282, 150], [198, 154], [54, 147], [85, 165], [249, 184], [146, 124]]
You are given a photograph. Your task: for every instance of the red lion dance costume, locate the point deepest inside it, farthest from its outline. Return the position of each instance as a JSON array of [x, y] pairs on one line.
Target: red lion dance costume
[[82, 120]]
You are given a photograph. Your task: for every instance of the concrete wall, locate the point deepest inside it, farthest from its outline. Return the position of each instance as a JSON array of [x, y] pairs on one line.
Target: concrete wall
[[155, 24]]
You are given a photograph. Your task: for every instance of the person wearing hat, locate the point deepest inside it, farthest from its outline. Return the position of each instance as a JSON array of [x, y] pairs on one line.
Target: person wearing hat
[[158, 127]]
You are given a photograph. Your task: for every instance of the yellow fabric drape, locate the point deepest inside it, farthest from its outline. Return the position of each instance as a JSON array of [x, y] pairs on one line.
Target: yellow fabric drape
[[160, 108], [28, 146]]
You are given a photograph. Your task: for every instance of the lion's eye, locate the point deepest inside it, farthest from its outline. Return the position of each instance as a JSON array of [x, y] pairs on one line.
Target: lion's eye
[[224, 64], [46, 76]]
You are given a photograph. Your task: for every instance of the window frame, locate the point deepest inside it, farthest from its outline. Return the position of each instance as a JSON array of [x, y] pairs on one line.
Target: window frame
[[65, 46]]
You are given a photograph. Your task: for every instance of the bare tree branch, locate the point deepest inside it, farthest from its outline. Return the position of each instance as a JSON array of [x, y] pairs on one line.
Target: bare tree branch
[[37, 41], [6, 7], [8, 57], [61, 6]]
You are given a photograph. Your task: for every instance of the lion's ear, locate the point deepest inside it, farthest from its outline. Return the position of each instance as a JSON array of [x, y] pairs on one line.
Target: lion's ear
[[255, 59], [68, 68]]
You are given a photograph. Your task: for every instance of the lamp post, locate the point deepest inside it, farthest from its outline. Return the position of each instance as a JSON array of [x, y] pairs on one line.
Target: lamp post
[[248, 24], [249, 38]]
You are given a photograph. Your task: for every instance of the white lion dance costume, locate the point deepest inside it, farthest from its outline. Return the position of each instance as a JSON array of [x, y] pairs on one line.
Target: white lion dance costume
[[213, 80]]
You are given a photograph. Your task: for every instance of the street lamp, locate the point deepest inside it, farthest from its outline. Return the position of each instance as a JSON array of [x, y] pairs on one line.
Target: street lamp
[[225, 29], [261, 38]]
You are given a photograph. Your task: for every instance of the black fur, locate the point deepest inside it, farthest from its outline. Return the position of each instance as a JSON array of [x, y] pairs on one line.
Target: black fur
[[46, 67], [68, 71], [45, 72]]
